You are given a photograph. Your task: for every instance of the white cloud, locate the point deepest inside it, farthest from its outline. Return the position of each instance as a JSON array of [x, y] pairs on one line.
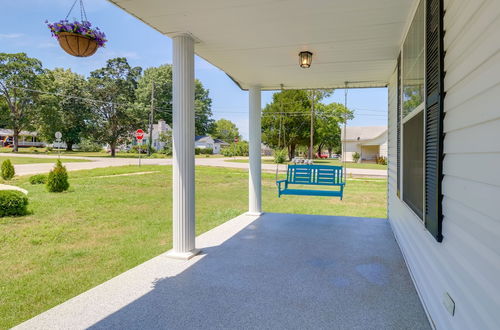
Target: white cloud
[[10, 35]]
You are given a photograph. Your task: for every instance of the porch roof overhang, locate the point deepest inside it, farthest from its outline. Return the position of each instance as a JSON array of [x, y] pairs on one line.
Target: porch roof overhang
[[257, 42]]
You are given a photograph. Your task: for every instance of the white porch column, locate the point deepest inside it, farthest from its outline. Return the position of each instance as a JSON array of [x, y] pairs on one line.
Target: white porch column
[[254, 179], [183, 148]]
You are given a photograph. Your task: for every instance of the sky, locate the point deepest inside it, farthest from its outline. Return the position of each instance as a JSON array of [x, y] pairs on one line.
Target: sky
[[23, 29]]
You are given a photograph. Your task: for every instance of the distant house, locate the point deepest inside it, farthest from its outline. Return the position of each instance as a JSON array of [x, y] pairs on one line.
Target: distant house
[[26, 138], [158, 129], [369, 142], [207, 142]]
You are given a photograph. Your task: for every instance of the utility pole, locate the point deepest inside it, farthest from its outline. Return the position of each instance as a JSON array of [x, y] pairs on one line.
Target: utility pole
[[311, 135], [151, 118]]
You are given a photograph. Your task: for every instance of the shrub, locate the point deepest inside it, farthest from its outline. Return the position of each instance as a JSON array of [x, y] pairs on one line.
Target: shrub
[[38, 179], [381, 160], [280, 156], [236, 149], [12, 203], [89, 146], [58, 178], [355, 157], [142, 148], [203, 151], [8, 171]]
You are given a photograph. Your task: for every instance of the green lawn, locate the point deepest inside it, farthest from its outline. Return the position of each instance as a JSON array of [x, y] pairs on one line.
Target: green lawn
[[323, 162], [101, 227], [30, 160]]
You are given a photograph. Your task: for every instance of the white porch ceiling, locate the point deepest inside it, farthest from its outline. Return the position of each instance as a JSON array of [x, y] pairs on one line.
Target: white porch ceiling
[[256, 42]]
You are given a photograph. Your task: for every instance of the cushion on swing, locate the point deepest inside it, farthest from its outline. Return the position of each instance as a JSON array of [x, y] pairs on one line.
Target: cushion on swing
[[313, 175]]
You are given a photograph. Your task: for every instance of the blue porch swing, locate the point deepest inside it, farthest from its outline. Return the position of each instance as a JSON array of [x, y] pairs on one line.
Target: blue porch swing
[[314, 175]]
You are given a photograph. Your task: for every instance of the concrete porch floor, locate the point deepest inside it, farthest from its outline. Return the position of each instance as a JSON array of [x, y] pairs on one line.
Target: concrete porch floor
[[276, 271]]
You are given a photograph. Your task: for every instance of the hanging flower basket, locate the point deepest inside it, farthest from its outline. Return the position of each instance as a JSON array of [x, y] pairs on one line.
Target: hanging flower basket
[[77, 38], [77, 45]]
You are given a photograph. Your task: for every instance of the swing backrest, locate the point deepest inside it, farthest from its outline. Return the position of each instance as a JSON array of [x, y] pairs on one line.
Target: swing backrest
[[325, 175]]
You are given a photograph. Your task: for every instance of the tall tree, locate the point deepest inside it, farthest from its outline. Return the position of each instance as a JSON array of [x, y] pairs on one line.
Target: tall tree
[[19, 80], [225, 130], [162, 78], [66, 108], [315, 96], [329, 117], [115, 112], [285, 121]]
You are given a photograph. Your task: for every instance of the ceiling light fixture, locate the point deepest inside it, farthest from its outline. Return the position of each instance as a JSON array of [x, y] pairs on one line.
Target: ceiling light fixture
[[305, 59]]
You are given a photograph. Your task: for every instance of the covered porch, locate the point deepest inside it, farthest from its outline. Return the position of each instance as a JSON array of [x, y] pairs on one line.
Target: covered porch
[[272, 271]]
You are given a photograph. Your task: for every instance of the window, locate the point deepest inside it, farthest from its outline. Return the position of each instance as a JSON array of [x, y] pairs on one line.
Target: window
[[413, 115], [413, 163], [414, 63]]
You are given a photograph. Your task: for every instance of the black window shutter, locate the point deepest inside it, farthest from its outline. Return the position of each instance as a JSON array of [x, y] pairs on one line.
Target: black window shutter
[[398, 129], [434, 90]]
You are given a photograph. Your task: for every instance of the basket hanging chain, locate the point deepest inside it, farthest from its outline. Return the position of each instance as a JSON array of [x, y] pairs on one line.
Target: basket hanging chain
[[82, 10]]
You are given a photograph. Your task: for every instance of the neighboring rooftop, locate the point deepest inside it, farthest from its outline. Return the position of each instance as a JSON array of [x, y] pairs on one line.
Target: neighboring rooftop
[[10, 132], [363, 133]]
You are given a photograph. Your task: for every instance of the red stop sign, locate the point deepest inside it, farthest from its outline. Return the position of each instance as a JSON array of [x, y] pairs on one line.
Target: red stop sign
[[139, 134]]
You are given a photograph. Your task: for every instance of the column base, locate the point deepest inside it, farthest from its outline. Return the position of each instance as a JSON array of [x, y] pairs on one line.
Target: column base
[[182, 255], [254, 214]]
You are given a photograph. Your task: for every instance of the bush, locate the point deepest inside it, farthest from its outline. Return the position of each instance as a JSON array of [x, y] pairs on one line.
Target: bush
[[89, 146], [381, 160], [142, 148], [12, 203], [355, 157], [58, 178], [236, 149], [38, 179], [203, 151], [280, 156], [8, 171]]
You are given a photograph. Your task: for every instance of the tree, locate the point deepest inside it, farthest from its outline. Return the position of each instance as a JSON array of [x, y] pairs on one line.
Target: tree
[[115, 111], [225, 130], [162, 78], [66, 109], [19, 82], [315, 96], [166, 138], [285, 121], [327, 129]]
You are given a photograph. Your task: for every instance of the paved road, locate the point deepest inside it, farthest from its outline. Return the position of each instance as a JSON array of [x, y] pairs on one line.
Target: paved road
[[100, 162]]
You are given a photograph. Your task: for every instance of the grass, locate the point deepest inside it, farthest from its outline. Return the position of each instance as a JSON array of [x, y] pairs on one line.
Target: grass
[[101, 227], [323, 162], [30, 160]]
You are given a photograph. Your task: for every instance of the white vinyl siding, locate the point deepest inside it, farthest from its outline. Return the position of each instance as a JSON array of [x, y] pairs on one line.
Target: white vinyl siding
[[467, 263]]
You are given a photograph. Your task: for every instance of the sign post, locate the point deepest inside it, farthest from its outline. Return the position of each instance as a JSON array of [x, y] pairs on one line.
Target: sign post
[[139, 135], [58, 136]]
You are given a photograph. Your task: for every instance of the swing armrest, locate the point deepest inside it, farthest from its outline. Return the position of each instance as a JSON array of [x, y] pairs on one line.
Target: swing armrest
[[279, 182]]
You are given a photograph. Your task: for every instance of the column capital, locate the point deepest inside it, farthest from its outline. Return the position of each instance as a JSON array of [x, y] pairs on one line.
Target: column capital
[[183, 35]]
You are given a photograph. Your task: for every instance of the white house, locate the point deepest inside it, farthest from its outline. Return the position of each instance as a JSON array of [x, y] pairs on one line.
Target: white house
[[26, 138], [436, 57], [207, 142], [158, 129], [369, 142]]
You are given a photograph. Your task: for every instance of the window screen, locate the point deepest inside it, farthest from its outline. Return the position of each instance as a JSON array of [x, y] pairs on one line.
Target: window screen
[[413, 163]]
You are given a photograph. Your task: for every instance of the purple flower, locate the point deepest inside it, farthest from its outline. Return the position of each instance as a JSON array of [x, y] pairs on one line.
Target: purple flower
[[84, 28]]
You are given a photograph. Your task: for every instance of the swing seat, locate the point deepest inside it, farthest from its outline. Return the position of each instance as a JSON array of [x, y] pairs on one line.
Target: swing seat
[[312, 175]]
